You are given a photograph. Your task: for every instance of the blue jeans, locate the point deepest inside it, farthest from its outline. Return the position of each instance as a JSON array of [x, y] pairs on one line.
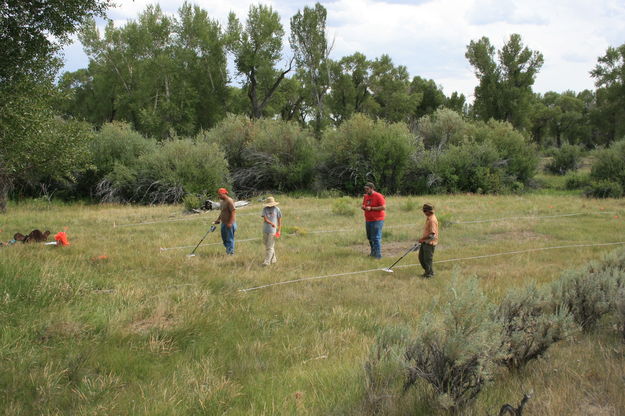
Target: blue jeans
[[227, 236], [374, 235]]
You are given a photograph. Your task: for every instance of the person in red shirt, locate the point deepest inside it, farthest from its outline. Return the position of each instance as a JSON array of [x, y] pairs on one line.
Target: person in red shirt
[[374, 206]]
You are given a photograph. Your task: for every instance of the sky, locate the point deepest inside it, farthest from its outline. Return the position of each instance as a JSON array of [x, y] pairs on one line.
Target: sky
[[430, 37]]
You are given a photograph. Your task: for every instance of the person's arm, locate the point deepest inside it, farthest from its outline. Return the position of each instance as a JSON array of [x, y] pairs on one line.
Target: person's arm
[[363, 206], [381, 207], [279, 223], [265, 219]]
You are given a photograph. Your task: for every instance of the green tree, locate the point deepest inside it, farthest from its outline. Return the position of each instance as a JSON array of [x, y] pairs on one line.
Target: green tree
[[505, 87], [609, 74], [187, 93], [31, 32], [392, 96], [257, 48], [566, 113], [311, 50], [31, 139], [349, 80], [432, 94]]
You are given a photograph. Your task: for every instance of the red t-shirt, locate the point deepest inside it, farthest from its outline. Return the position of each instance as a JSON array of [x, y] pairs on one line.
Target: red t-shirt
[[376, 199]]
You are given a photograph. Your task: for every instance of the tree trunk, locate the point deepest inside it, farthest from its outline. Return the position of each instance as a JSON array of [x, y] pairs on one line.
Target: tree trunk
[[4, 193]]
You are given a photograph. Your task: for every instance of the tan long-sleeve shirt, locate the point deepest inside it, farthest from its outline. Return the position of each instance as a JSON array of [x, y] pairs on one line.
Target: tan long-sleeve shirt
[[431, 227]]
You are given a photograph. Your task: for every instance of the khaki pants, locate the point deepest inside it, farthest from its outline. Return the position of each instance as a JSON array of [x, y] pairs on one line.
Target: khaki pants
[[270, 252]]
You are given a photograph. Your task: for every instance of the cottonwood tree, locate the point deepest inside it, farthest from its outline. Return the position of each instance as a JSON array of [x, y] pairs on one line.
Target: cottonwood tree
[[392, 96], [349, 81], [310, 46], [609, 74], [257, 49], [505, 85], [30, 34], [188, 92]]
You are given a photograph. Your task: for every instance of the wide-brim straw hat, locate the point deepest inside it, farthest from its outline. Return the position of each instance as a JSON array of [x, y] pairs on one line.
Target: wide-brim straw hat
[[271, 202]]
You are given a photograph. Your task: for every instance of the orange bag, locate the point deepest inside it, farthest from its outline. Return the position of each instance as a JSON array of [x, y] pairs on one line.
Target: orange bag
[[61, 239]]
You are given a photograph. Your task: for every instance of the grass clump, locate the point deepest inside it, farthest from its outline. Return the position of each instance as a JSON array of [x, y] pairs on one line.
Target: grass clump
[[343, 207]]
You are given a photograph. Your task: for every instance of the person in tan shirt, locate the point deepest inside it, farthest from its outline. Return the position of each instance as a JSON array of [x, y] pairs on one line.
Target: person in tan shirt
[[428, 240]]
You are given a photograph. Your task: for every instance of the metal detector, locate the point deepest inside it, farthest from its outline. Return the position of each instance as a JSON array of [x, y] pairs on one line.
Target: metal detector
[[411, 249], [210, 230]]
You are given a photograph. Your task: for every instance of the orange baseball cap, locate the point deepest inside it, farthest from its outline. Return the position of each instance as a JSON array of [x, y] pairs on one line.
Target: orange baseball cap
[[222, 191]]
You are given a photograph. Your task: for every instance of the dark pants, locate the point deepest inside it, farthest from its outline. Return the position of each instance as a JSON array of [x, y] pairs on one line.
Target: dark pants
[[426, 256], [227, 236], [374, 235]]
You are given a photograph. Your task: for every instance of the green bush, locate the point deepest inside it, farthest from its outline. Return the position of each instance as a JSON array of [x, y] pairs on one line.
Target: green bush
[[441, 129], [577, 181], [493, 158], [343, 206], [604, 189], [609, 165], [619, 307], [530, 325], [266, 154], [363, 150], [455, 350], [191, 202], [567, 158], [586, 294], [385, 362], [167, 173]]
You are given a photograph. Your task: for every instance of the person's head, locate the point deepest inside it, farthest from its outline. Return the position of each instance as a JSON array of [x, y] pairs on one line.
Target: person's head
[[222, 193], [369, 188], [428, 209]]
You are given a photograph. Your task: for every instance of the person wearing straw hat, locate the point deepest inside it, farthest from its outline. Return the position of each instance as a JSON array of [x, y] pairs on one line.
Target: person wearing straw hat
[[272, 225], [227, 218]]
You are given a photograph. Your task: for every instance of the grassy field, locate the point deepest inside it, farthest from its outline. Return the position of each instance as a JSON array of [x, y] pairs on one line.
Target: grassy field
[[114, 325]]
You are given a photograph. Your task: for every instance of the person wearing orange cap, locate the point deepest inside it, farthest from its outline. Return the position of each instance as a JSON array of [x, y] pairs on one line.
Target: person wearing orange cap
[[227, 218]]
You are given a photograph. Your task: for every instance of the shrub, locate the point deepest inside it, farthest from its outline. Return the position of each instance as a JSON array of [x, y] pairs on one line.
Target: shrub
[[530, 325], [586, 294], [565, 159], [518, 158], [610, 165], [619, 307], [382, 369], [167, 173], [493, 158], [577, 181], [363, 150], [266, 154], [604, 189], [343, 206], [442, 128], [191, 202], [455, 350]]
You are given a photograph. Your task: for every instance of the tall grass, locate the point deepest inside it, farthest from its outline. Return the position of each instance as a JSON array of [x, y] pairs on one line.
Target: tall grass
[[143, 331]]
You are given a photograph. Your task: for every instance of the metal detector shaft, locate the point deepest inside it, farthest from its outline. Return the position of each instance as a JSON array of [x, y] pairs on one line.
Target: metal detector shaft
[[210, 230], [413, 248]]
